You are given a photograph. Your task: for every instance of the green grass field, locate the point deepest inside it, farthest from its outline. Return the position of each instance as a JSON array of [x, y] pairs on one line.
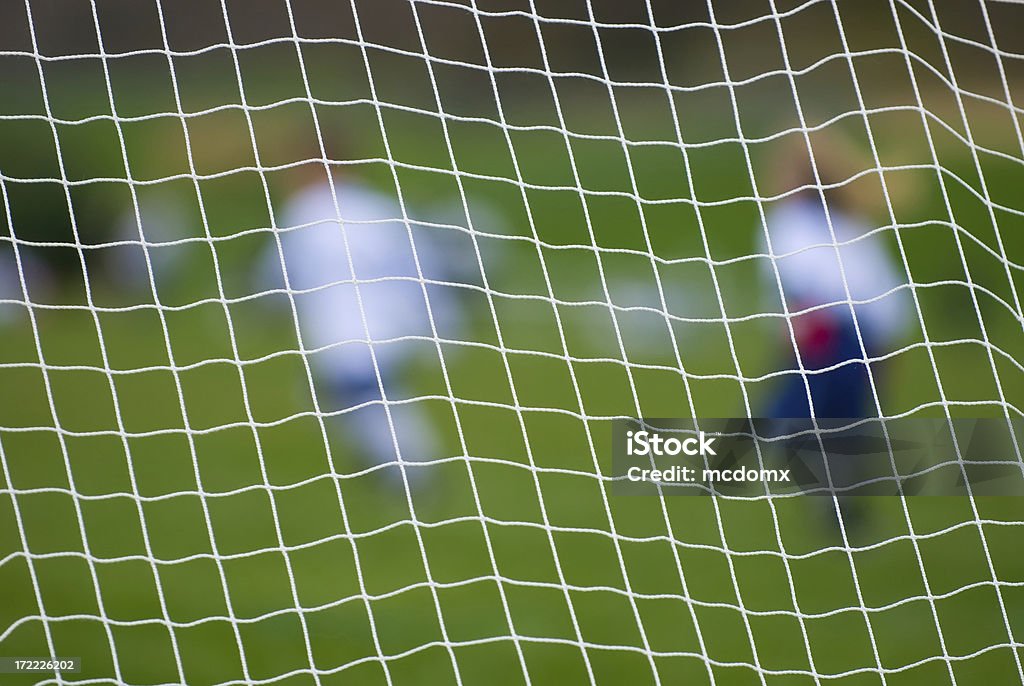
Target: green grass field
[[129, 529]]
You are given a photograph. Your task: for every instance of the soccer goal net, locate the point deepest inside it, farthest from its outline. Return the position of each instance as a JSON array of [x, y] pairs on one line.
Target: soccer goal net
[[315, 317]]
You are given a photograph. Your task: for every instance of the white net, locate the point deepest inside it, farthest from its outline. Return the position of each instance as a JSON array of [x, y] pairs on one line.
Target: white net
[[259, 427]]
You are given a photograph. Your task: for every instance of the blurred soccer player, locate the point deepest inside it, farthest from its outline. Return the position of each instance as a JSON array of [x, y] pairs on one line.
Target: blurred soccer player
[[357, 274], [826, 257], [164, 227], [36, 273]]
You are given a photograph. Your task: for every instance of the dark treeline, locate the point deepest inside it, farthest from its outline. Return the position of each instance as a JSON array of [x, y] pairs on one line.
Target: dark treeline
[[66, 27]]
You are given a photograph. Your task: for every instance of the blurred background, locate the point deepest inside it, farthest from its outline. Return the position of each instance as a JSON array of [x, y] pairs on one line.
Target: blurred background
[[181, 503]]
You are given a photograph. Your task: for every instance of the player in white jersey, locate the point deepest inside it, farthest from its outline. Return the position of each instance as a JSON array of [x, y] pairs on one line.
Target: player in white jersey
[[357, 272], [827, 257]]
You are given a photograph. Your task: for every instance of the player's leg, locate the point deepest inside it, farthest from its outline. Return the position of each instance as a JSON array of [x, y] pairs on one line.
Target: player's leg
[[380, 431]]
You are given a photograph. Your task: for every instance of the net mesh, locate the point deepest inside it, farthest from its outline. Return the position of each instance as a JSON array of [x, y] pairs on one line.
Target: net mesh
[[182, 502]]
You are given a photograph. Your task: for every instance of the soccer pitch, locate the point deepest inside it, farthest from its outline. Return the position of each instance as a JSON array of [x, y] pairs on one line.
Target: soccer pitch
[[175, 507]]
